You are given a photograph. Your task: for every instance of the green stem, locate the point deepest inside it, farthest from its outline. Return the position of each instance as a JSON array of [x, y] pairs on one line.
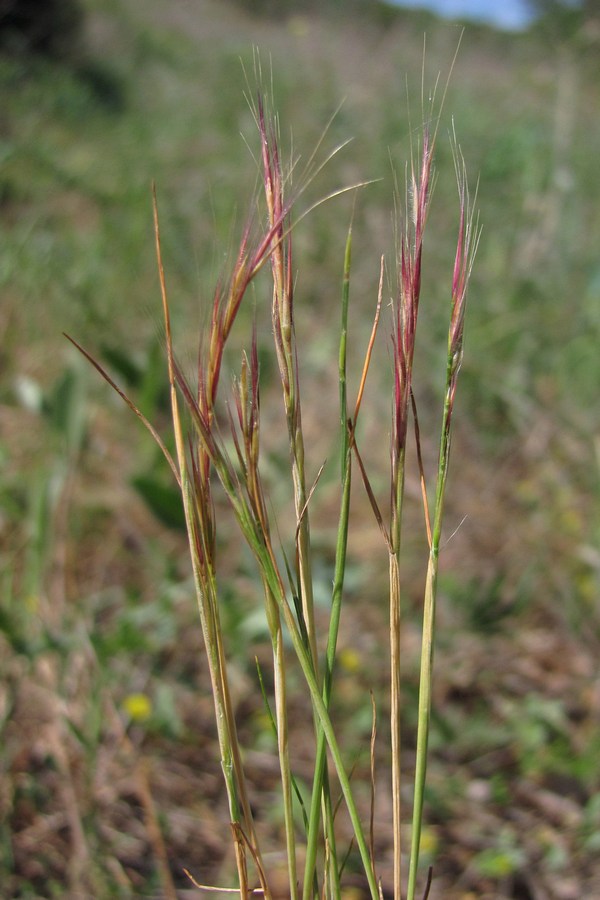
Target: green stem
[[336, 605], [342, 357], [272, 577], [231, 763], [323, 715], [304, 558], [334, 622], [395, 681], [280, 724], [284, 760], [427, 646]]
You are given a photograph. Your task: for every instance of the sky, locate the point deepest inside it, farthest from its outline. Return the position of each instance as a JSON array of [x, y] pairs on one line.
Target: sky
[[511, 14]]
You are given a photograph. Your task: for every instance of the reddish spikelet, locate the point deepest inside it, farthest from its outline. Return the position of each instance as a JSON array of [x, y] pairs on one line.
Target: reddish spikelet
[[283, 329], [227, 299], [226, 305], [246, 436], [403, 342], [275, 245], [466, 247], [255, 399], [204, 535], [407, 303], [281, 259]]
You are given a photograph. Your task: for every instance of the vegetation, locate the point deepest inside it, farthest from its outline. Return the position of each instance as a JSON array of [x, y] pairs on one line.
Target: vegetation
[[50, 28], [110, 762]]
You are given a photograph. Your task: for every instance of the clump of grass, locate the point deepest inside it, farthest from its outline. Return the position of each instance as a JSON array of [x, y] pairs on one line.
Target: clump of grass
[[208, 445]]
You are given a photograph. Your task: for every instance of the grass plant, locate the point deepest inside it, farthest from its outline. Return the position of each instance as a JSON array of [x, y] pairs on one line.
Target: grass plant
[[99, 640], [210, 443]]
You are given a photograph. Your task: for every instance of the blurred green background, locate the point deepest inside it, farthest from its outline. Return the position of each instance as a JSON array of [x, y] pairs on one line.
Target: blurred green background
[[108, 757]]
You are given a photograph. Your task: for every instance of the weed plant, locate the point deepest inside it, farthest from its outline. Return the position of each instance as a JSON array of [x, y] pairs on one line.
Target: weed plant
[[217, 440]]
